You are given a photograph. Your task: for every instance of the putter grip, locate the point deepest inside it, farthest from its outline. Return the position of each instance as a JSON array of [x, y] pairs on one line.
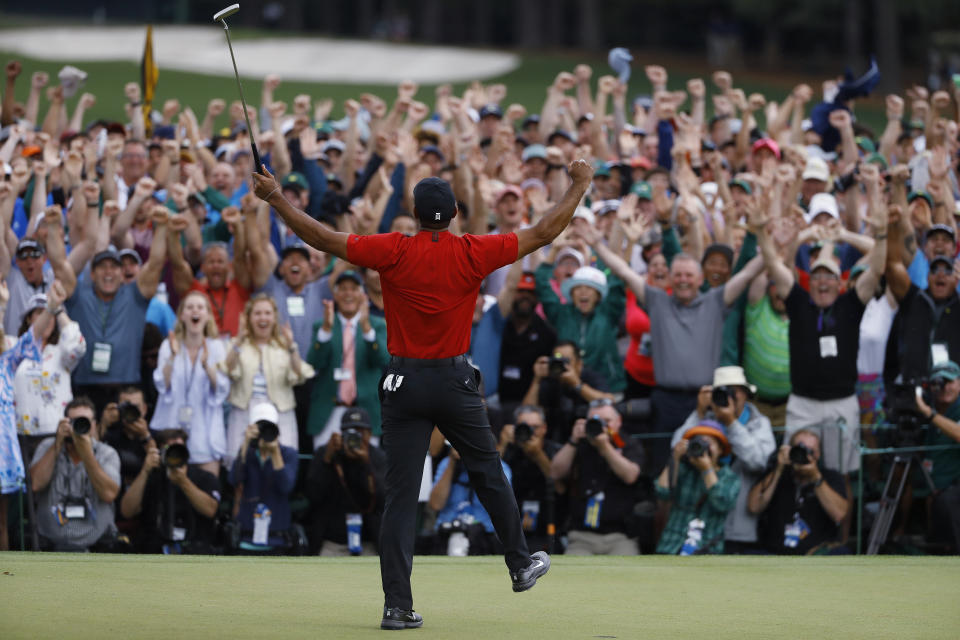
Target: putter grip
[[256, 157]]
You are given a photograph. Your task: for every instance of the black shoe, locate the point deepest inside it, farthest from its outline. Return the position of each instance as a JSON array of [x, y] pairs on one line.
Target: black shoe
[[395, 619], [526, 578]]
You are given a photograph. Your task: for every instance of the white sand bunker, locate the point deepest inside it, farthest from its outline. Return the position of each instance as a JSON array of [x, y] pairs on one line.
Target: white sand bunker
[[204, 50]]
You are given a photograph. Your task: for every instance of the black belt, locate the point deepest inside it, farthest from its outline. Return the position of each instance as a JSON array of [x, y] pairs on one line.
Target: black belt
[[398, 361], [775, 402], [678, 390]]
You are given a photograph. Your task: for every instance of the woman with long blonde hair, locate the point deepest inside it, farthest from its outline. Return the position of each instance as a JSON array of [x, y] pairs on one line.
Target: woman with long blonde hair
[[264, 365], [192, 388]]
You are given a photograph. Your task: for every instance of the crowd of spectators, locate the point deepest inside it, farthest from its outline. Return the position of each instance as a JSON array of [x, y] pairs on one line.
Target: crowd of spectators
[[181, 374]]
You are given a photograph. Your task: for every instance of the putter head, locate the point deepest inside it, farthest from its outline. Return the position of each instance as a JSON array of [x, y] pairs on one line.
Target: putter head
[[226, 13]]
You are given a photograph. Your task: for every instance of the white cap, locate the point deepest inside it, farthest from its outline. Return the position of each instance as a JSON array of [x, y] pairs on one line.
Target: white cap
[[586, 276], [570, 252], [731, 377], [822, 203], [586, 214], [603, 207], [264, 411], [816, 169]]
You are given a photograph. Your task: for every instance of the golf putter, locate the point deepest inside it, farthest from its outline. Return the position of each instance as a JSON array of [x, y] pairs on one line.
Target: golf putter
[[221, 16]]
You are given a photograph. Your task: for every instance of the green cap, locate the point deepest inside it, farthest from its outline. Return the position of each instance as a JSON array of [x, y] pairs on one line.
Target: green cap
[[913, 195], [878, 159], [601, 171], [295, 180], [866, 144], [642, 190], [743, 184], [948, 370]]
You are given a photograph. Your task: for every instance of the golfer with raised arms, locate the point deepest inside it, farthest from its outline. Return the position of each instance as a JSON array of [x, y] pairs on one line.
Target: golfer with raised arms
[[430, 286]]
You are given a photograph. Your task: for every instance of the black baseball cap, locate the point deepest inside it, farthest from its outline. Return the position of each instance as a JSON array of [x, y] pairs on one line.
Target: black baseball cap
[[944, 259], [355, 417], [108, 254], [296, 246], [433, 201], [350, 274]]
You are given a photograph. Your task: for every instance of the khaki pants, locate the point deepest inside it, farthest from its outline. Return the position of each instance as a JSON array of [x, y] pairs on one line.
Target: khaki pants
[[587, 543]]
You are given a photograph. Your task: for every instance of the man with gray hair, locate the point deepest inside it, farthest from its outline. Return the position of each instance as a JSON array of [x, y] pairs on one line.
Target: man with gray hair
[[686, 332], [526, 449]]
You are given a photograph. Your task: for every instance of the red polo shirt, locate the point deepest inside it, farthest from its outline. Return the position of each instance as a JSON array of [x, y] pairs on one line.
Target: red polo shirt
[[227, 304], [430, 284]]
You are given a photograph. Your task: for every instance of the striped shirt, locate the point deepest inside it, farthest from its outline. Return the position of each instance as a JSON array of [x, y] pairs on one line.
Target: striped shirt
[[691, 499], [766, 350]]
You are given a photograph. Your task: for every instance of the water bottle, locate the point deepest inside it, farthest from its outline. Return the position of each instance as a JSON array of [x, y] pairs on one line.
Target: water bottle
[[162, 293], [694, 537]]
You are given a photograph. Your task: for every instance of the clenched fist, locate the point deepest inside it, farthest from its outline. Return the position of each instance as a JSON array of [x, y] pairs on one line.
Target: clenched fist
[[580, 171]]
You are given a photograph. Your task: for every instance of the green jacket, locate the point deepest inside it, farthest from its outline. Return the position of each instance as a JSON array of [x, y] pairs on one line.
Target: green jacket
[[595, 334], [370, 360]]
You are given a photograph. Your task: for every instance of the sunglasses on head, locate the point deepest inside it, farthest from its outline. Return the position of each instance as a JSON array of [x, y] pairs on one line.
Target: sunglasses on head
[[29, 253]]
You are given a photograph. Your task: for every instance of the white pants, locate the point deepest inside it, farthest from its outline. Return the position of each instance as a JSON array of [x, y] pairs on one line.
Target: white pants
[[837, 422]]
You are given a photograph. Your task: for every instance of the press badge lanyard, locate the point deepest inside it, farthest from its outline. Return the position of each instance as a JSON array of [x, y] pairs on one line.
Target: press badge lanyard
[[218, 308], [105, 317]]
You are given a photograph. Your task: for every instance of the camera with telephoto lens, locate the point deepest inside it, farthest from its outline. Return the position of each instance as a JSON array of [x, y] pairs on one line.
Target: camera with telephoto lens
[[129, 413], [557, 366], [697, 446], [595, 426], [522, 433], [352, 439], [175, 455], [268, 430], [81, 425], [720, 396], [901, 403], [800, 454]]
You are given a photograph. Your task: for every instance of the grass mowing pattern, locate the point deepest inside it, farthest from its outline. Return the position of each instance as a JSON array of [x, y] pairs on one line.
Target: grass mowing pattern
[[103, 596]]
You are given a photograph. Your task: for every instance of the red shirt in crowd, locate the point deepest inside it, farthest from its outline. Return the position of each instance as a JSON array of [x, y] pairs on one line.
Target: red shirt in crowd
[[227, 304], [430, 284], [638, 362]]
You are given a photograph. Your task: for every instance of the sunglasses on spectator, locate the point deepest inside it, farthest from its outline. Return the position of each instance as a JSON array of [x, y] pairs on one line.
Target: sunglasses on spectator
[[941, 269], [601, 402], [29, 253], [820, 275]]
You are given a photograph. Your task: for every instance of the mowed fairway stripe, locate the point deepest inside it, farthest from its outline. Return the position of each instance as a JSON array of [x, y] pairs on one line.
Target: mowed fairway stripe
[[104, 596]]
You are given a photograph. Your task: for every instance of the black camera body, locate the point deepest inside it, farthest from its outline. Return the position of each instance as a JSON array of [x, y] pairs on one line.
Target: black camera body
[[697, 446], [720, 396], [175, 455], [557, 366], [129, 412], [800, 454], [522, 433], [595, 426], [352, 439], [268, 430]]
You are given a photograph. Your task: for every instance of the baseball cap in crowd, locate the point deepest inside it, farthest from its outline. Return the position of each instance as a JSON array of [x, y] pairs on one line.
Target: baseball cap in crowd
[[642, 190], [296, 181], [865, 144], [31, 150], [117, 128], [725, 250], [603, 207], [877, 159], [948, 371], [946, 260], [492, 109], [332, 177], [527, 282], [822, 203], [585, 214], [533, 118], [588, 277], [769, 145], [913, 195], [433, 201], [534, 151], [731, 376], [433, 127], [743, 184], [710, 428], [434, 149], [570, 252], [827, 262], [561, 134], [240, 127], [355, 417], [333, 145], [196, 195], [130, 253], [264, 412], [508, 190], [640, 162], [532, 183], [942, 228], [106, 254], [298, 247], [29, 248], [350, 274], [816, 169], [37, 301], [165, 132]]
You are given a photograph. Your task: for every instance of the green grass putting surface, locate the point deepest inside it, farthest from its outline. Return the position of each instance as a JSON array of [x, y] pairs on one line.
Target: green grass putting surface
[[103, 596]]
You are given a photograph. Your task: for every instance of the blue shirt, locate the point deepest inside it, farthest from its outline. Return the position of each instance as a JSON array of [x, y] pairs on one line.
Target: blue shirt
[[160, 314], [119, 323], [463, 499], [263, 484], [485, 338]]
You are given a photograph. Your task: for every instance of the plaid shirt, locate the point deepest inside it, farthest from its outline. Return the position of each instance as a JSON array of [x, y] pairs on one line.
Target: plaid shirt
[[686, 497]]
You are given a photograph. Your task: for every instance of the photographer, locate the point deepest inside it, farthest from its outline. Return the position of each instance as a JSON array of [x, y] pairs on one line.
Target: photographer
[[127, 432], [945, 471], [751, 442], [528, 454], [345, 487], [76, 479], [601, 471], [702, 490], [176, 503], [802, 504], [565, 386], [264, 474]]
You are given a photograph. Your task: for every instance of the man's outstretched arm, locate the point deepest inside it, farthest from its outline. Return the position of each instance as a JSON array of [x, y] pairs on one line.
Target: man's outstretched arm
[[310, 231], [552, 223]]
